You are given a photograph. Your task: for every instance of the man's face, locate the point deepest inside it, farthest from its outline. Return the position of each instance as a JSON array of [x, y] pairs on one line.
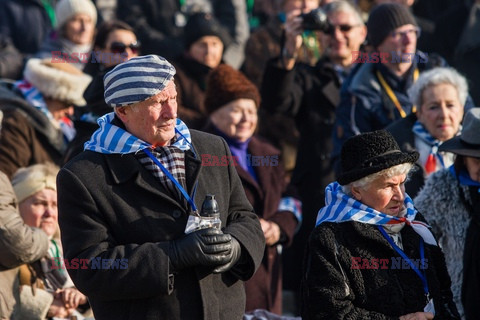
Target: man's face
[[339, 44], [400, 41], [207, 50], [80, 29], [152, 120]]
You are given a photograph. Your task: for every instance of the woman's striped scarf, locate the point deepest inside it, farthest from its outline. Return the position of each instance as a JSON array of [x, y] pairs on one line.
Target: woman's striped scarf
[[109, 138], [340, 207]]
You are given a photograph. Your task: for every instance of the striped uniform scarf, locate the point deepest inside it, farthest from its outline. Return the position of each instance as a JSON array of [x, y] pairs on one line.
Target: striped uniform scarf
[[342, 208], [111, 139]]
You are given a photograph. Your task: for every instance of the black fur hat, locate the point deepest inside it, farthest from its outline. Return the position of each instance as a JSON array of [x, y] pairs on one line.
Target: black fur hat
[[371, 152]]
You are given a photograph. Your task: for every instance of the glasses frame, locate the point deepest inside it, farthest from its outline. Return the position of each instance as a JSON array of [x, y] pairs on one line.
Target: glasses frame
[[120, 47], [398, 35]]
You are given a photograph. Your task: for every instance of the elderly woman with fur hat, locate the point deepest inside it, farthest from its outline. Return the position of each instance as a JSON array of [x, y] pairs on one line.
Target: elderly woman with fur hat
[[46, 288], [371, 255], [232, 102], [36, 125], [72, 39], [450, 201]]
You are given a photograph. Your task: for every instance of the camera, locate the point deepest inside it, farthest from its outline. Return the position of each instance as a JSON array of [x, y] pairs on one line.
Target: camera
[[316, 20]]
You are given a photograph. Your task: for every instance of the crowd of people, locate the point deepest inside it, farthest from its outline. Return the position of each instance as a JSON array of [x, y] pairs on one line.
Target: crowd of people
[[340, 140]]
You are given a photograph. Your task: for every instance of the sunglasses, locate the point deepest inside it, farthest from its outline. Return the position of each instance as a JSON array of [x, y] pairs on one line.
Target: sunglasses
[[120, 47], [341, 27]]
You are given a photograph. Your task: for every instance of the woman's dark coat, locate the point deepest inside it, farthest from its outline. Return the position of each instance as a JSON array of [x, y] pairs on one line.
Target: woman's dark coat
[[334, 288], [111, 207]]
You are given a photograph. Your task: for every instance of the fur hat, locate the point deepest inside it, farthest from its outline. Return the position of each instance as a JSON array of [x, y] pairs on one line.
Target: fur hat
[[468, 142], [58, 81], [65, 9], [384, 19], [204, 24], [371, 152], [225, 84], [137, 80], [29, 180]]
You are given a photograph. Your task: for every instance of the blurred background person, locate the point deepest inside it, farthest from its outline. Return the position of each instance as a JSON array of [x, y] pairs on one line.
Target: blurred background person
[[205, 43], [36, 190], [116, 41], [19, 244], [37, 110], [310, 95], [440, 95], [73, 35], [232, 102], [450, 201]]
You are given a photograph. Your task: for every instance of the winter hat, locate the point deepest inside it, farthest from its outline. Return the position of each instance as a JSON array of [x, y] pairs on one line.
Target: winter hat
[[65, 9], [468, 142], [385, 18], [371, 152], [58, 81], [29, 180], [225, 84], [204, 24], [136, 80]]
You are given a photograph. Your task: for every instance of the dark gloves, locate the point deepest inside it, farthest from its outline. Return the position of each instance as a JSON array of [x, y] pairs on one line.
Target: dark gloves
[[233, 257], [205, 247]]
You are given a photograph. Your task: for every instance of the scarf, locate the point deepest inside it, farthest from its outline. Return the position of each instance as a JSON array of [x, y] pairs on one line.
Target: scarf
[[420, 132], [340, 207], [111, 139]]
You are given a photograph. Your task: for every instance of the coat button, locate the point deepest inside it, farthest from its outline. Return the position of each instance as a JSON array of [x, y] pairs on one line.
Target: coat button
[[177, 213]]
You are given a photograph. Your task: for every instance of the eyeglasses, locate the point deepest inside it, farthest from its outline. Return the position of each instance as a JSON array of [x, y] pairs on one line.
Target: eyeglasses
[[120, 47], [341, 27], [397, 35]]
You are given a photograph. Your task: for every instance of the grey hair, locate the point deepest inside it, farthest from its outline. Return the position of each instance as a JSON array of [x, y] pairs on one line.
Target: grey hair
[[435, 77], [403, 168], [344, 6]]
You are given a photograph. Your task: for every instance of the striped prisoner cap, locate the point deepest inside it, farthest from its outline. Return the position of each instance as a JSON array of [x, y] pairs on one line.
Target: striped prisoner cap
[[137, 80]]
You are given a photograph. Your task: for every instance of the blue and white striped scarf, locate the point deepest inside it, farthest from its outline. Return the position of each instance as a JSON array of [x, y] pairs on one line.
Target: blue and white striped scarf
[[109, 138], [340, 207]]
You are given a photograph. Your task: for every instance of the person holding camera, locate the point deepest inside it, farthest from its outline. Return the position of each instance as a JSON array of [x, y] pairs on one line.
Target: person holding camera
[[130, 196], [310, 94]]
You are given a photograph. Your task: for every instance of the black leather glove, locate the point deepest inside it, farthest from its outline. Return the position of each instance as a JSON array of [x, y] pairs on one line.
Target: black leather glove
[[234, 255], [206, 247]]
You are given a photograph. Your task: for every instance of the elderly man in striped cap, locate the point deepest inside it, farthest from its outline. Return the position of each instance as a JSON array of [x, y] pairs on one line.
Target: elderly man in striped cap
[[128, 202]]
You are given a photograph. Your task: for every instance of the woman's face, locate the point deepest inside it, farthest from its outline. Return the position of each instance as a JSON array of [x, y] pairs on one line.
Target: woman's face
[[80, 29], [121, 42], [40, 211], [473, 167], [441, 111], [237, 119], [207, 50], [383, 194]]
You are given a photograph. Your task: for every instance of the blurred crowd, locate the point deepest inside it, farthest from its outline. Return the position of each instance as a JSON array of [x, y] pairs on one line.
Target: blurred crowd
[[305, 75]]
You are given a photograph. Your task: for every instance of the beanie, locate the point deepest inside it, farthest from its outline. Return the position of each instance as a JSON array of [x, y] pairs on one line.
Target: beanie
[[137, 80], [384, 19], [204, 24], [65, 9], [225, 84], [58, 81], [30, 180]]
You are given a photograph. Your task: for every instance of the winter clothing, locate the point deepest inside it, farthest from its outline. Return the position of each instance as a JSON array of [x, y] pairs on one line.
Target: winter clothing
[[154, 71], [153, 219], [66, 9], [384, 19], [204, 24], [225, 85], [468, 142], [369, 153], [55, 47], [19, 244]]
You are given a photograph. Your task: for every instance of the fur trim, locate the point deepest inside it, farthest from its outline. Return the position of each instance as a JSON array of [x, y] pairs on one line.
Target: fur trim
[[59, 81]]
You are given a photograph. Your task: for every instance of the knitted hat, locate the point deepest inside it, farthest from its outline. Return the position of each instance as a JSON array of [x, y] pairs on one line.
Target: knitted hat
[[136, 80], [225, 84], [28, 181], [58, 81], [65, 9], [468, 142], [371, 152], [384, 19], [204, 24]]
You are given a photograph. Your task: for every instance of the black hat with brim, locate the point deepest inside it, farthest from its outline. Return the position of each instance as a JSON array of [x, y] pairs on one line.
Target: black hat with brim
[[369, 153], [468, 142]]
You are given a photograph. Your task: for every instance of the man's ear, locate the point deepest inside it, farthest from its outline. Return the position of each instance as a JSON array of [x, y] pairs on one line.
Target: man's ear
[[121, 112], [356, 193]]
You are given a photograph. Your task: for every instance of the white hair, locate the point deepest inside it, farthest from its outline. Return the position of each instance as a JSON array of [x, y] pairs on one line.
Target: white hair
[[344, 6], [435, 77]]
